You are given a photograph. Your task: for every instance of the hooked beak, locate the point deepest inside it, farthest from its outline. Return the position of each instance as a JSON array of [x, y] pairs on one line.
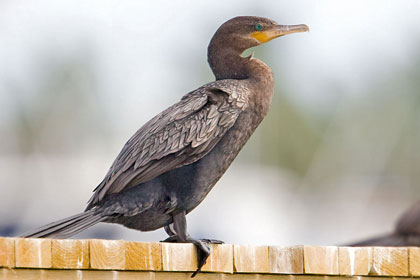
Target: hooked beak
[[277, 31]]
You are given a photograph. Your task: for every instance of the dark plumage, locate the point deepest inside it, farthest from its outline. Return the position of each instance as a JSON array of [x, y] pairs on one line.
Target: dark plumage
[[171, 163], [406, 232]]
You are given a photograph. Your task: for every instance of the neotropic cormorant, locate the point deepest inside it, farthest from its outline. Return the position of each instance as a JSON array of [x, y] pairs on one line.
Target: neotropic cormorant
[[172, 162]]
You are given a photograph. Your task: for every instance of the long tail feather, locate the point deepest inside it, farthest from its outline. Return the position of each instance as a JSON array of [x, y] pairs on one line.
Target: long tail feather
[[67, 227]]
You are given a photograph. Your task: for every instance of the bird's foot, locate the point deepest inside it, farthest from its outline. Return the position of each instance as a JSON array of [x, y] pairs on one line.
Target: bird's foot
[[172, 239], [212, 241], [175, 239], [203, 251]]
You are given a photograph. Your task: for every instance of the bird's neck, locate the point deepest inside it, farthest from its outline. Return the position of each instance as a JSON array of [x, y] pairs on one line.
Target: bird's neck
[[229, 64]]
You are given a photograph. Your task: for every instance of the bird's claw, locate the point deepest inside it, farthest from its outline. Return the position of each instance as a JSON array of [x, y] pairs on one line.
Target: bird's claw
[[171, 239], [203, 252], [212, 241]]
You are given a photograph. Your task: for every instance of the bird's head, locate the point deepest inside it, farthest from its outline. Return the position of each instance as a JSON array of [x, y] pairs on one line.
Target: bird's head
[[237, 35], [244, 32]]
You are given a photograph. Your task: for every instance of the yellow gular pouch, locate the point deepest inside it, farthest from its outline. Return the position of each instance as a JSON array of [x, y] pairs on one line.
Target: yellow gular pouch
[[265, 36]]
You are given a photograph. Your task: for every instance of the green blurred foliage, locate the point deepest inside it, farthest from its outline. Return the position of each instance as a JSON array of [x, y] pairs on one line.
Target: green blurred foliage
[[61, 113], [289, 138]]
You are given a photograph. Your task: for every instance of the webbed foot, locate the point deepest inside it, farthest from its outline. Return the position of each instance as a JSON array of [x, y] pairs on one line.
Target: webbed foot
[[212, 241], [203, 251], [179, 234]]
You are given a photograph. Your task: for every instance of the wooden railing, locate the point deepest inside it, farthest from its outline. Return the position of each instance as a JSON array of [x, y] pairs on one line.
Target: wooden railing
[[117, 259]]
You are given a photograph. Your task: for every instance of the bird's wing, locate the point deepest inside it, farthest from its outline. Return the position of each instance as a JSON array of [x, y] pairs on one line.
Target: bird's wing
[[178, 136]]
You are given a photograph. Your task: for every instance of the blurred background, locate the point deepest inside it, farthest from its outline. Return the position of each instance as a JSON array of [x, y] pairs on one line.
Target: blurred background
[[337, 158]]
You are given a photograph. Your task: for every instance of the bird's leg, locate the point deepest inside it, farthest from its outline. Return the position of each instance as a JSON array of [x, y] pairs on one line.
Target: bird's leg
[[169, 230], [182, 236], [172, 235]]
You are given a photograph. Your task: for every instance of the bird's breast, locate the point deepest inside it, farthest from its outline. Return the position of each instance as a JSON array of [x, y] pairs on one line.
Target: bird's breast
[[202, 175], [209, 169]]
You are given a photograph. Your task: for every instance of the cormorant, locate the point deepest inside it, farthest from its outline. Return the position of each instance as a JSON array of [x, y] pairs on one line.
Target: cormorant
[[406, 232], [172, 162]]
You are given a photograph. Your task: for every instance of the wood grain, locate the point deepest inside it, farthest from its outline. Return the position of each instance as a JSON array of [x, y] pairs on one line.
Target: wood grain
[[68, 253], [220, 259], [390, 261], [107, 254], [33, 252], [321, 260], [7, 252], [143, 256], [179, 257], [250, 258], [27, 258], [354, 260], [286, 259], [414, 261]]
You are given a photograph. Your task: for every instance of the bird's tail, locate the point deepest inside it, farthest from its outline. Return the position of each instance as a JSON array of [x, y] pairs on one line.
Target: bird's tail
[[68, 226]]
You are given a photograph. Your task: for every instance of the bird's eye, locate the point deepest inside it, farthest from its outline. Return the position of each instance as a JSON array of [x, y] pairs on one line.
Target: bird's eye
[[258, 27]]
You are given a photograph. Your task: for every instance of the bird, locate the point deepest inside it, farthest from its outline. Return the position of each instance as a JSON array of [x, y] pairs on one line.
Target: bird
[[173, 161], [406, 231]]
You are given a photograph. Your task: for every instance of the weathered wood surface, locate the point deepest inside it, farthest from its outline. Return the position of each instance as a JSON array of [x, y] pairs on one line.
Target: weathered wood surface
[[117, 259], [51, 274]]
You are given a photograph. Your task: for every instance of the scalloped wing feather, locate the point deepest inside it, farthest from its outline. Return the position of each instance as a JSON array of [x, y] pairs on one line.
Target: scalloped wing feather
[[178, 136]]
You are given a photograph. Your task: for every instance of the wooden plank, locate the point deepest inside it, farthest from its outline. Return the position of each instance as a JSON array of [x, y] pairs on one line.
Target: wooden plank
[[69, 253], [107, 254], [324, 277], [114, 275], [64, 274], [292, 277], [250, 258], [179, 260], [220, 259], [286, 259], [240, 276], [354, 260], [7, 252], [33, 252], [185, 276], [143, 256], [320, 260], [276, 277], [390, 261], [414, 261], [179, 257]]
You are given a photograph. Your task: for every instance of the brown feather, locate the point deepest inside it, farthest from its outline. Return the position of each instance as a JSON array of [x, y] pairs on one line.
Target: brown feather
[[189, 129]]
